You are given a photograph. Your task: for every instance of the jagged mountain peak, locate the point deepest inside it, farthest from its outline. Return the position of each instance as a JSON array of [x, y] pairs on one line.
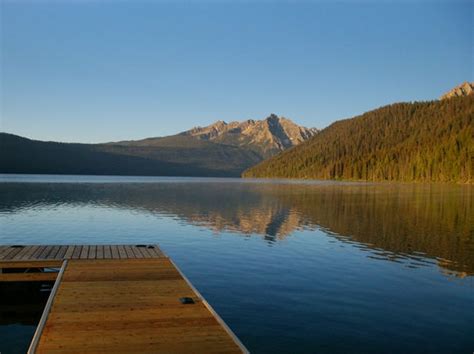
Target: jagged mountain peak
[[267, 136], [273, 117], [464, 89]]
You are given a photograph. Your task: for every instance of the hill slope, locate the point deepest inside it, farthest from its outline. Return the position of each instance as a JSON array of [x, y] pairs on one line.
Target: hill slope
[[21, 155], [184, 154], [421, 141]]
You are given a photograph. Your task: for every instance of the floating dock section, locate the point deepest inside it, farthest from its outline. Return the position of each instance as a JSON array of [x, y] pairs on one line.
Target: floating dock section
[[116, 299]]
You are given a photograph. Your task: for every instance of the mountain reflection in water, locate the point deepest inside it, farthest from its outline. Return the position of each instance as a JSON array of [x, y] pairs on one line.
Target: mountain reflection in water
[[411, 223]]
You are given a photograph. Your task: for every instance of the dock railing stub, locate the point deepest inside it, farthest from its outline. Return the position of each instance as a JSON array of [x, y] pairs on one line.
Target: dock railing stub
[[39, 329]]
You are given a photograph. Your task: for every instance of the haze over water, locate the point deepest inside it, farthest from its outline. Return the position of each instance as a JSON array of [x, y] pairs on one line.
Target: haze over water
[[292, 267]]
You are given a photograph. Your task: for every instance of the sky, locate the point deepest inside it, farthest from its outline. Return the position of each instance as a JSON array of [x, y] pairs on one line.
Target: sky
[[98, 71]]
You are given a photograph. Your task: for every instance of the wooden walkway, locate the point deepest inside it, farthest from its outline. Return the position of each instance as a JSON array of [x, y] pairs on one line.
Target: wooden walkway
[[28, 253], [124, 299]]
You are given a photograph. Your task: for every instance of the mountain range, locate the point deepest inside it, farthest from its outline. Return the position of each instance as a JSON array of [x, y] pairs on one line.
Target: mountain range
[[416, 141], [430, 141], [220, 149]]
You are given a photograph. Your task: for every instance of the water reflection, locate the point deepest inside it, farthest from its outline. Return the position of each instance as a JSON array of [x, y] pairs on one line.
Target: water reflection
[[414, 224]]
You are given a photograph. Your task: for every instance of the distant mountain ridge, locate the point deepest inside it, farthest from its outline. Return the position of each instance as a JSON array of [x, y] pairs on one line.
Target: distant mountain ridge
[[226, 150], [267, 137]]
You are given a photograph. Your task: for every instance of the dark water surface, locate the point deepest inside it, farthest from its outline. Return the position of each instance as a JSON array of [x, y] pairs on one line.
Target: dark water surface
[[318, 267]]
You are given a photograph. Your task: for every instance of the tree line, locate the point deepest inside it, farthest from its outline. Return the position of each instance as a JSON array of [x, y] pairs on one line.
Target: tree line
[[418, 141]]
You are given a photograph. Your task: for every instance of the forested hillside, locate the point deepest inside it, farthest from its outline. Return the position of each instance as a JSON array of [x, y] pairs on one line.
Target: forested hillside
[[420, 141], [166, 158]]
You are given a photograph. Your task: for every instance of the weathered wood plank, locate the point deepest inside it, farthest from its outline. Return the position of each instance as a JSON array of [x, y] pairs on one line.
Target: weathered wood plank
[[37, 253], [84, 252], [52, 254], [69, 252], [122, 253], [136, 252], [13, 252], [128, 251], [92, 252], [115, 252], [40, 252], [76, 254], [130, 305], [144, 252], [9, 277], [44, 253], [107, 252], [61, 252], [29, 253], [22, 252], [4, 250], [99, 252], [156, 251], [30, 264]]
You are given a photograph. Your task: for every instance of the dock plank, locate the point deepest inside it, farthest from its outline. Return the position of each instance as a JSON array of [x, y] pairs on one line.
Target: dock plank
[[99, 252], [92, 252], [76, 254], [84, 252], [114, 252], [11, 277], [13, 252], [129, 251], [37, 253], [156, 252], [107, 252], [61, 252], [30, 264], [45, 252], [122, 253], [131, 305], [22, 252], [145, 253], [29, 253], [69, 252], [137, 252], [53, 252], [3, 251]]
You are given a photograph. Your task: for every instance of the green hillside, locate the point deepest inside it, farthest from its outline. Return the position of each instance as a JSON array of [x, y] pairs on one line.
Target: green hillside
[[167, 158], [420, 141]]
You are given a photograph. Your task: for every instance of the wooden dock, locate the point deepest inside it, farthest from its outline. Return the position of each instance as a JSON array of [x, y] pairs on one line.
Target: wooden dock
[[117, 299]]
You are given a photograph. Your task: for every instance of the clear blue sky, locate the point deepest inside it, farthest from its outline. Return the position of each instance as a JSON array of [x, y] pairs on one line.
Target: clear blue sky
[[96, 71]]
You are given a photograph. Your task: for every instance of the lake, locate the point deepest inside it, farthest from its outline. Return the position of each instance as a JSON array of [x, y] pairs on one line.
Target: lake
[[292, 267]]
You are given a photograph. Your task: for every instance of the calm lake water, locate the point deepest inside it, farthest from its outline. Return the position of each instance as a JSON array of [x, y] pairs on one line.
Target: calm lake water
[[318, 267]]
